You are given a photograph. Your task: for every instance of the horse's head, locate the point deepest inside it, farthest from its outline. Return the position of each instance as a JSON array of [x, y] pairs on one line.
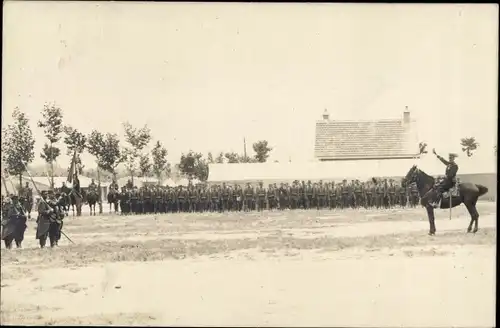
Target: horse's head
[[410, 177]]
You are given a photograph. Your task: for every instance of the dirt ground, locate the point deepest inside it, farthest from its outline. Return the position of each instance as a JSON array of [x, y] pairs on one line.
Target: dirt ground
[[300, 268]]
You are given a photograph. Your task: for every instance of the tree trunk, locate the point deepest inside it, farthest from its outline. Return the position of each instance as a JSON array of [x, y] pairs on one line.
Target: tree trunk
[[20, 184], [51, 183], [52, 175], [99, 189]]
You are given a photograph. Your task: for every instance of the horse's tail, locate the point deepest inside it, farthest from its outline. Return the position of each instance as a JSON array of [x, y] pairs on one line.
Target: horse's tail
[[482, 189]]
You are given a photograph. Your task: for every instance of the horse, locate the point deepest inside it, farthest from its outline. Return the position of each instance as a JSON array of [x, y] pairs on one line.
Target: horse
[[113, 198], [468, 194], [76, 199], [92, 198]]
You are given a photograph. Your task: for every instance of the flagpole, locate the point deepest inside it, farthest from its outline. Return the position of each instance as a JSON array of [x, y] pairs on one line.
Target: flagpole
[[41, 198]]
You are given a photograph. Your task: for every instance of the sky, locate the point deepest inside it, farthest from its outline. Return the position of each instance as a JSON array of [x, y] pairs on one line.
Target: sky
[[205, 76]]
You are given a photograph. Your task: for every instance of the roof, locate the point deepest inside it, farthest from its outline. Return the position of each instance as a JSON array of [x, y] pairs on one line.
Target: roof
[[140, 181], [339, 170], [365, 139]]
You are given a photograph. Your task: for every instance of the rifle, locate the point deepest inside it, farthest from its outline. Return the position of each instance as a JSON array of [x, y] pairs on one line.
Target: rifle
[[43, 200]]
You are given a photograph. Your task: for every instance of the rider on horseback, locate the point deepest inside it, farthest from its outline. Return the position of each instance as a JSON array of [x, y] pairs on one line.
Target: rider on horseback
[[76, 185], [92, 187], [114, 186], [450, 176]]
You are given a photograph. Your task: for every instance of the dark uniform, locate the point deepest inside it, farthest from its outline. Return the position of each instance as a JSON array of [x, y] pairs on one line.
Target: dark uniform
[[26, 199], [309, 194], [381, 194], [321, 196], [261, 197], [294, 195], [134, 201], [450, 176], [49, 222], [237, 198], [358, 194], [13, 223], [125, 201], [283, 197], [272, 197]]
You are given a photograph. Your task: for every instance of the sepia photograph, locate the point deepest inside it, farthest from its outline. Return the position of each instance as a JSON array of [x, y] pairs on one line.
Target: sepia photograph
[[249, 164]]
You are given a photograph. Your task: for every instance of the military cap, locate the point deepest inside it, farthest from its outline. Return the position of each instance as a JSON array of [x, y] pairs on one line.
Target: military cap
[[14, 197], [452, 155], [51, 192]]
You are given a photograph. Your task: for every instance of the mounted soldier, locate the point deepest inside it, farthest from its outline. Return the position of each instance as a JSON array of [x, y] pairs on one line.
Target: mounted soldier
[[449, 179], [114, 186], [92, 196], [26, 199]]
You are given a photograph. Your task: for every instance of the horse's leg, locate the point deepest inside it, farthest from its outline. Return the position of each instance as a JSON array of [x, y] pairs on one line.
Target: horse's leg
[[8, 242], [474, 216], [430, 215]]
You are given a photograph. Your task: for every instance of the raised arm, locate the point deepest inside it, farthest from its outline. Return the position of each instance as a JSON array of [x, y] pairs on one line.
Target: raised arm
[[445, 162]]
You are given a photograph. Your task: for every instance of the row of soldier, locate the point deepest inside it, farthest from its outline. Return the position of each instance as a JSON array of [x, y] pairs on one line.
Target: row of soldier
[[298, 195]]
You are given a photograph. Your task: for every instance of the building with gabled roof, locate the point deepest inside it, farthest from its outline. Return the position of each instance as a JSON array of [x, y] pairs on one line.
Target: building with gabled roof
[[366, 139]]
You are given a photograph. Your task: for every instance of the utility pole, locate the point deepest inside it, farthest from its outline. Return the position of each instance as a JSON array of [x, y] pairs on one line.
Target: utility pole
[[244, 147]]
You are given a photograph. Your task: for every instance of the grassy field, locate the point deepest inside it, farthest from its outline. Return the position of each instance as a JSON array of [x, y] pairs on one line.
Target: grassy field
[[276, 268]]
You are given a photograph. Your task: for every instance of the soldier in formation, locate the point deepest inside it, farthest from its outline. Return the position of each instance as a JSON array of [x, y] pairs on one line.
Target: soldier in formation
[[50, 219], [13, 221], [377, 193]]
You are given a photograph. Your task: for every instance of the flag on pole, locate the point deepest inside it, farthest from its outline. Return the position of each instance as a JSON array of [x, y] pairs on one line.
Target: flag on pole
[[72, 168]]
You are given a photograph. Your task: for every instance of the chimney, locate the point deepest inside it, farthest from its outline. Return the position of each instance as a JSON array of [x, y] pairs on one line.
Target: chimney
[[406, 116], [326, 116]]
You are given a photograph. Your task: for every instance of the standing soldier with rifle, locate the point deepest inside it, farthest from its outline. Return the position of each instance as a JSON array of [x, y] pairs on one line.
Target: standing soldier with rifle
[[13, 223], [49, 220]]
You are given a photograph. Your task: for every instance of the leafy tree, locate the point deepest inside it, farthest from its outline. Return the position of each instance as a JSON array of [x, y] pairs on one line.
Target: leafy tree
[[220, 158], [52, 125], [246, 159], [194, 166], [160, 164], [145, 165], [469, 145], [232, 157], [261, 150], [17, 145], [106, 149], [210, 158], [422, 146], [75, 142], [137, 140]]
